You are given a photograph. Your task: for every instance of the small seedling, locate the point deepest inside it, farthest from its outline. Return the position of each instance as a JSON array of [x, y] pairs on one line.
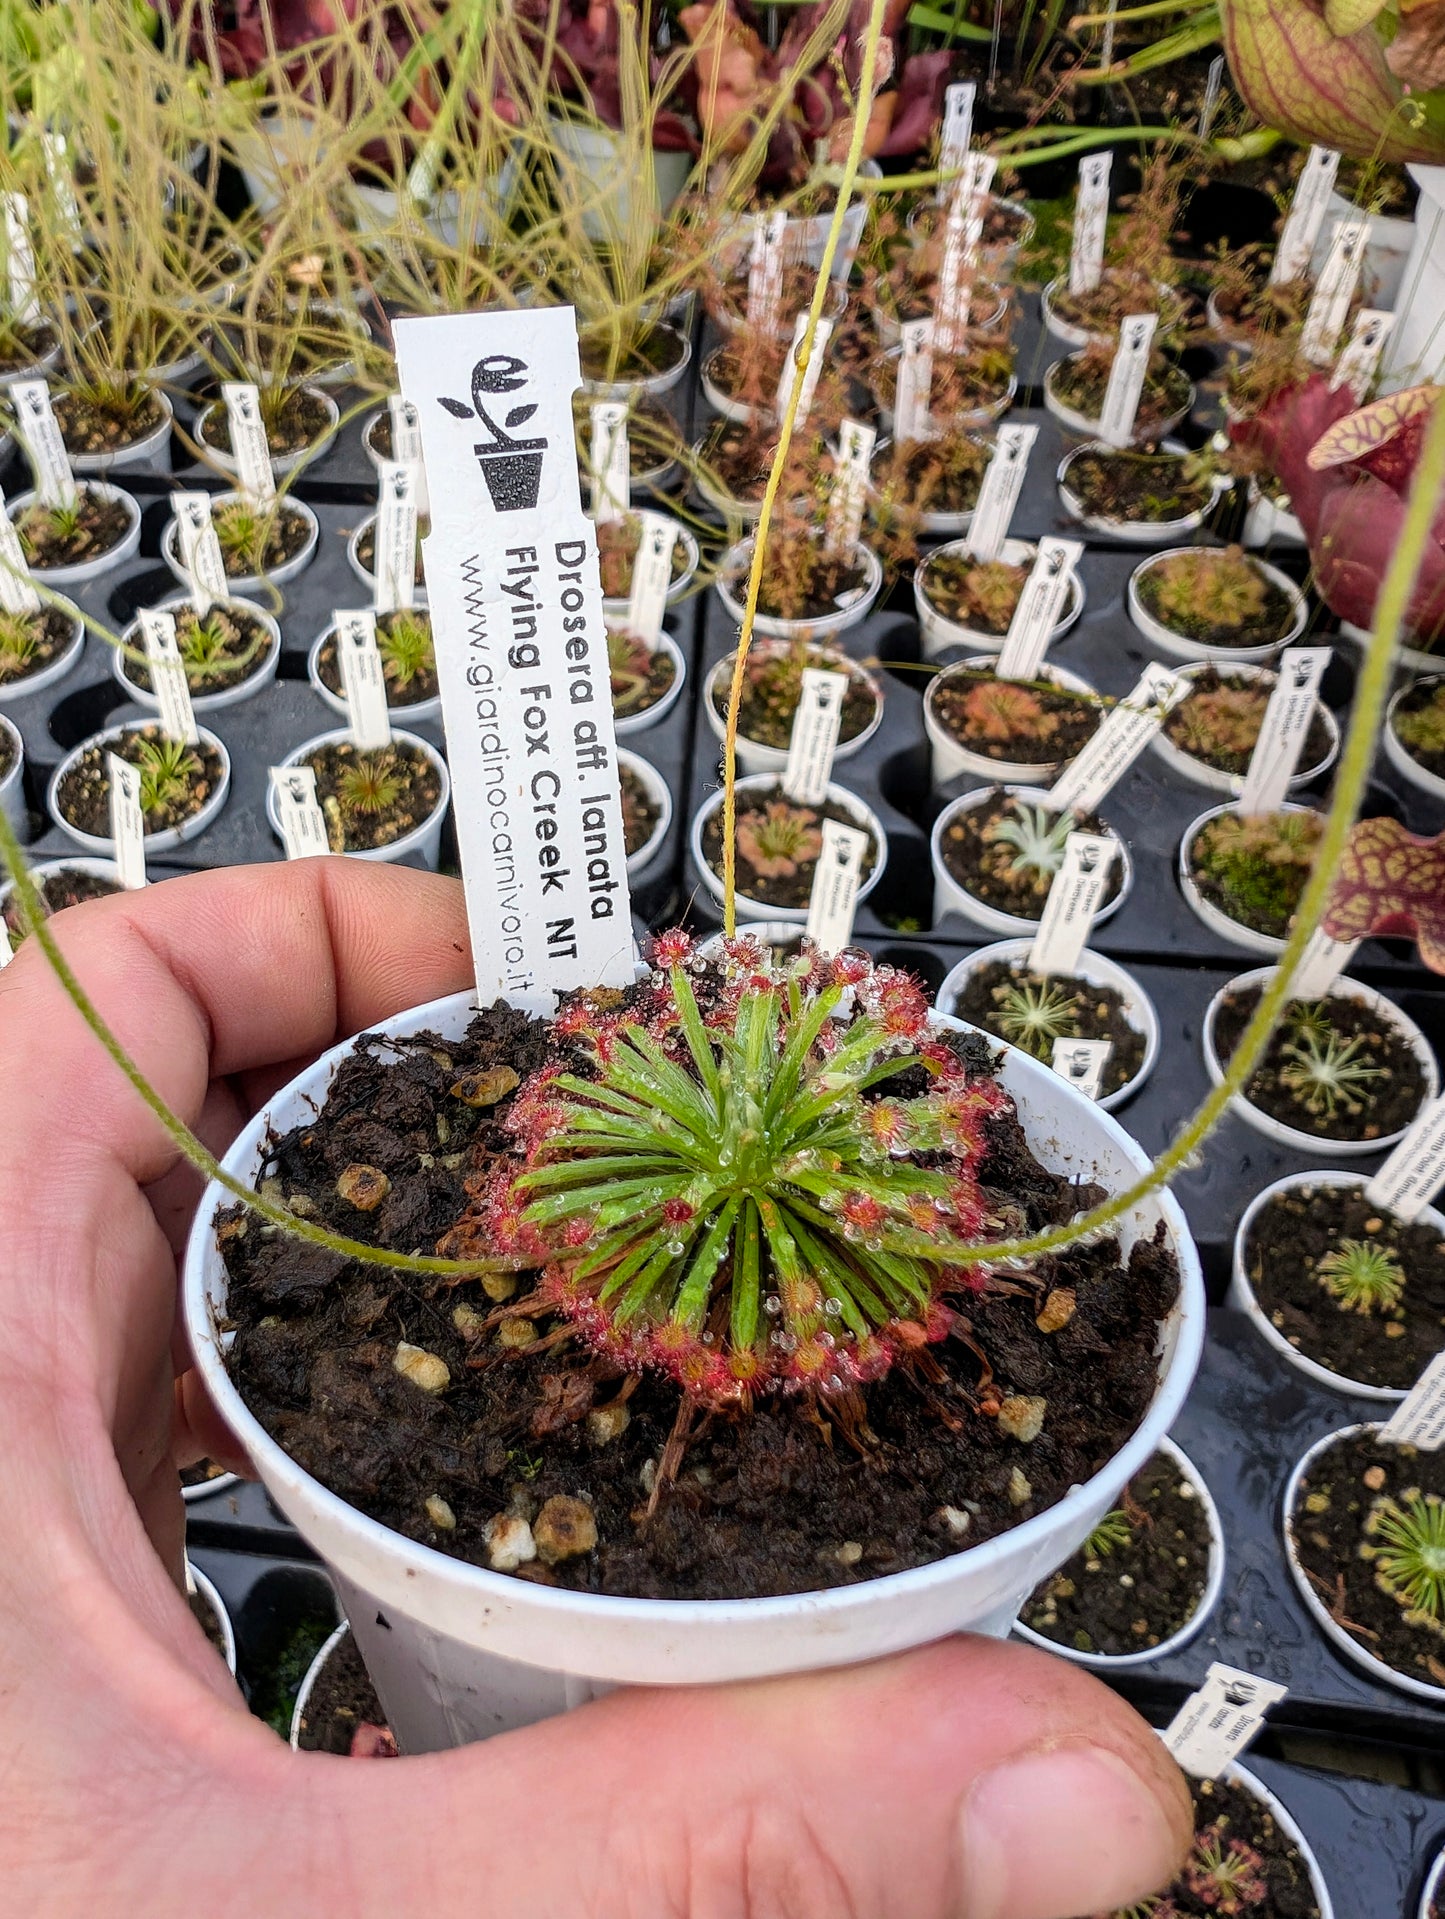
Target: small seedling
[[1035, 1014], [1407, 1550], [370, 784], [1037, 837], [1112, 1534], [1326, 1073], [1225, 1874], [405, 643], [779, 839], [1362, 1278], [166, 769]]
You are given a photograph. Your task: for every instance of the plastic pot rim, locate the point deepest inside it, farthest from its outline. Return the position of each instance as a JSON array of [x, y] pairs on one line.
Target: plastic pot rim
[[616, 610], [1178, 647], [249, 582], [64, 662], [772, 759], [1088, 425], [1128, 532], [1200, 773], [155, 843], [626, 726], [751, 909], [417, 710], [993, 918], [1204, 910], [281, 463], [410, 842], [308, 1682], [207, 1590], [138, 454], [76, 573], [738, 558], [658, 791], [950, 759], [1398, 754], [261, 675], [937, 631]]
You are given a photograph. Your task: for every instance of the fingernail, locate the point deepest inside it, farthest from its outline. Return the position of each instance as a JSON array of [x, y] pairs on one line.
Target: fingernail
[[1067, 1831]]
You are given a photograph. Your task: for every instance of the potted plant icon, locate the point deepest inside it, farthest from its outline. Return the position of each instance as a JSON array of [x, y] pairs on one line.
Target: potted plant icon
[[511, 468]]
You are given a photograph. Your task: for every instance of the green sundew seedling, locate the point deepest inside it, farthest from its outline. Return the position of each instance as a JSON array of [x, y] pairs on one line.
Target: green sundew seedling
[[166, 769], [1326, 1074], [1037, 837], [1362, 1278], [1035, 1014], [1406, 1545]]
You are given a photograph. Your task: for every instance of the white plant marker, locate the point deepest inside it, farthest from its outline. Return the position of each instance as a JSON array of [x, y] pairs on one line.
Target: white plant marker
[[55, 151], [1305, 217], [651, 577], [250, 449], [38, 427], [1334, 290], [1119, 741], [821, 335], [363, 678], [1358, 364], [998, 495], [168, 676], [406, 445], [1210, 104], [21, 294], [1321, 964], [1284, 729], [200, 549], [521, 650], [1215, 1724], [1091, 214], [1414, 1172], [849, 495], [1082, 1062], [610, 461], [954, 294], [1075, 896], [1127, 374], [298, 812], [765, 272], [394, 561], [957, 135], [814, 738], [911, 419], [1039, 606], [1419, 1419], [127, 822], [833, 902], [17, 588]]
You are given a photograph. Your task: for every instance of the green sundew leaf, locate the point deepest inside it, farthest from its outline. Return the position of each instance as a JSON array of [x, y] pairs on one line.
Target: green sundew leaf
[[690, 1306], [696, 1034], [913, 1280], [610, 1200], [634, 1300], [758, 1033], [652, 1077], [602, 1095], [934, 20], [591, 1167], [633, 1236], [801, 1039], [747, 1249], [642, 1254], [856, 1299]]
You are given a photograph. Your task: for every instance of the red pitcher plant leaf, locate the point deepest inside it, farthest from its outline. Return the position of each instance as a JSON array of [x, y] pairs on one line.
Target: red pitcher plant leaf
[[1392, 884], [1417, 52], [1396, 422]]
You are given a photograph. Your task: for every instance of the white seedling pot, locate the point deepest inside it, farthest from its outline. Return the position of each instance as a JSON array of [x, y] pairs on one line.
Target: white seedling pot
[[364, 573], [624, 726], [1343, 1642], [1201, 774], [308, 1684], [949, 760], [83, 570], [970, 420], [1413, 659], [616, 609], [750, 909], [1130, 532], [47, 869], [406, 714], [149, 454], [659, 792], [1179, 647], [1205, 910], [987, 314], [1415, 350], [650, 386], [222, 1481], [1292, 1136], [155, 843], [1074, 335], [1396, 752], [857, 602], [251, 582], [1432, 1893], [261, 674], [12, 787], [1237, 1775], [1242, 1298], [1208, 1599], [422, 845], [1087, 425], [1267, 523], [1092, 967], [943, 524], [458, 1653], [197, 1579], [281, 463], [752, 755], [613, 208], [63, 662], [936, 632], [950, 897]]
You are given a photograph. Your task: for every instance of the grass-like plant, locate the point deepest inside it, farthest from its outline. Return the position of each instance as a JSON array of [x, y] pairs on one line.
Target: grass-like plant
[[1406, 1545], [1112, 1534], [166, 769], [1034, 1013], [1038, 838]]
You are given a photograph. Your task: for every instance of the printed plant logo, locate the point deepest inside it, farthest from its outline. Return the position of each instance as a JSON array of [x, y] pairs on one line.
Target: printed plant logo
[[511, 467]]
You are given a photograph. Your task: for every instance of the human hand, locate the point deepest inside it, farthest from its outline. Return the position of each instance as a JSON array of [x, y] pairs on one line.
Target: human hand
[[968, 1780]]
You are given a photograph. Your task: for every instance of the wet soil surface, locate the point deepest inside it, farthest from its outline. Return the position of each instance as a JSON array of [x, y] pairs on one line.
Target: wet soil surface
[[1426, 695], [342, 1713], [646, 678], [245, 647], [1136, 487], [769, 722], [366, 549], [1081, 386], [640, 812], [300, 421], [286, 534], [794, 886], [1271, 622], [83, 795], [205, 1613], [1091, 1012], [617, 544]]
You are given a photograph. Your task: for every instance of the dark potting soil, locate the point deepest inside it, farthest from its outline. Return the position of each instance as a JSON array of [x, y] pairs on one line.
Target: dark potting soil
[[642, 358], [740, 459], [54, 537], [1345, 1561], [342, 1710], [1241, 1862], [51, 630], [1089, 1011], [1266, 308], [89, 424], [1419, 724], [731, 299], [244, 646], [1299, 1228], [771, 683], [643, 678], [932, 476], [1257, 885], [299, 421], [793, 886], [1080, 383], [617, 544], [829, 581], [26, 346], [1136, 485], [1269, 621], [83, 796], [769, 1501], [366, 549], [1188, 725], [962, 382], [69, 887], [640, 812], [1373, 1109], [1139, 1577], [8, 752], [1121, 291], [205, 1614], [378, 435], [421, 686], [373, 797], [202, 1473], [980, 594], [286, 531], [1032, 723], [984, 866]]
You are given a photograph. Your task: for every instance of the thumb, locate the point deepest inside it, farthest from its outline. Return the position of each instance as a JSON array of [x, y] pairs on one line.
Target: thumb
[[969, 1780]]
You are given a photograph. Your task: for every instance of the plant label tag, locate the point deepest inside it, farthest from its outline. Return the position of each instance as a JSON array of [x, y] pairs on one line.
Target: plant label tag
[[610, 461], [363, 678], [915, 383], [1075, 896], [1414, 1172], [406, 445], [200, 546], [1127, 375], [168, 676], [1091, 214], [1003, 481], [1038, 610], [974, 191], [1419, 1419], [21, 293], [1215, 1724], [1285, 728], [394, 566], [249, 446], [298, 812], [821, 335], [954, 295], [1334, 290], [814, 738], [521, 647], [1305, 217], [836, 880], [1320, 965], [55, 151], [1081, 1062], [1356, 366], [127, 822], [38, 427], [1119, 741], [17, 589], [651, 577], [849, 495], [957, 135], [1210, 104], [765, 272]]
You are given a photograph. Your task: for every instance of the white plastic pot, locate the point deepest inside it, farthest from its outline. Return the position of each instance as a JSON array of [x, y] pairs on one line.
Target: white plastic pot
[[1170, 306], [987, 313], [46, 869], [1097, 971], [422, 845], [197, 1581], [950, 897], [1378, 1669], [1294, 1137], [730, 313], [155, 843], [936, 632], [308, 1684], [1237, 1775], [1208, 1599], [949, 759], [47, 362], [752, 755], [1087, 425], [149, 454], [1201, 774], [659, 792], [750, 909], [281, 463], [1414, 659], [1398, 754], [222, 1481], [626, 725], [260, 675], [650, 386], [1129, 532], [613, 207], [1002, 254], [948, 525], [717, 395], [1203, 909], [1267, 523], [406, 714], [1415, 350], [458, 1653], [64, 661], [12, 786], [363, 572], [1432, 1893], [247, 583], [616, 609], [968, 421], [805, 237], [1242, 1298], [856, 605], [1178, 647], [82, 570]]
